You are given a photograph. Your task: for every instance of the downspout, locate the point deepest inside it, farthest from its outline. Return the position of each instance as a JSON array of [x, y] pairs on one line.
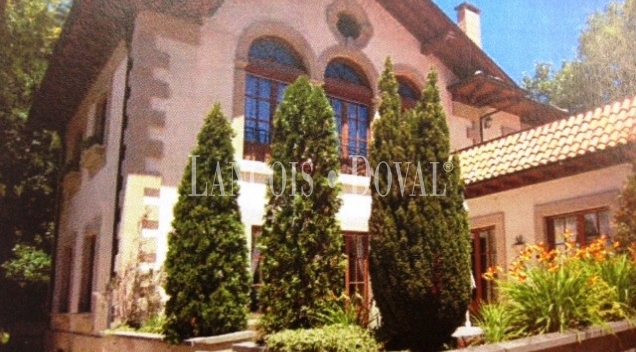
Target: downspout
[[120, 162]]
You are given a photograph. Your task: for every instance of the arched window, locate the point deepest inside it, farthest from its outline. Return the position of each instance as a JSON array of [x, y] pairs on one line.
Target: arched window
[[408, 92], [350, 96], [272, 65]]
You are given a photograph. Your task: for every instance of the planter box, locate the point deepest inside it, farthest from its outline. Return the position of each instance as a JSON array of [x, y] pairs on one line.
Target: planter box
[[615, 337]]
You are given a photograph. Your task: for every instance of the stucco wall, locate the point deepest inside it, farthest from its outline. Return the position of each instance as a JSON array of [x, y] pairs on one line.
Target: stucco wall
[[90, 210], [180, 69], [524, 209]]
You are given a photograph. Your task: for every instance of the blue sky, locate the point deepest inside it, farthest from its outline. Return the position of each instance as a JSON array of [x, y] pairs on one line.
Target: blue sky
[[519, 33]]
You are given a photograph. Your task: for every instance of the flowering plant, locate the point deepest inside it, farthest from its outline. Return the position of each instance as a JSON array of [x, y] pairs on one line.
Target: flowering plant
[[547, 290]]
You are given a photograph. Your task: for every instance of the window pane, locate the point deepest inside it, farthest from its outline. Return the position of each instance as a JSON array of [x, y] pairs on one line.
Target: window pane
[[272, 50], [570, 226], [591, 229], [264, 90], [559, 229], [263, 110], [250, 130], [250, 107], [251, 85], [345, 72], [604, 223]]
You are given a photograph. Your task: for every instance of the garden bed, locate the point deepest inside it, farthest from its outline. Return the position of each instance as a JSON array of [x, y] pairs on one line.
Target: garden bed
[[615, 337]]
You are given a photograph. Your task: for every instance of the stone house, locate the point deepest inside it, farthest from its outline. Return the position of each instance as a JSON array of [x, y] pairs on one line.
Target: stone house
[[131, 81]]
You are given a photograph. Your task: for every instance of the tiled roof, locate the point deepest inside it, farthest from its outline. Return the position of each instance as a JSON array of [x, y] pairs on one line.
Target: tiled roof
[[602, 129]]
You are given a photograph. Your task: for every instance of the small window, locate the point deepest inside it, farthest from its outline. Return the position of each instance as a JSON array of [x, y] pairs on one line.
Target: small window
[[88, 267], [348, 26], [584, 227]]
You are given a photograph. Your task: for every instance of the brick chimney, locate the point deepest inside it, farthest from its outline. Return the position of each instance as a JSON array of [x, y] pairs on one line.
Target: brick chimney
[[469, 21]]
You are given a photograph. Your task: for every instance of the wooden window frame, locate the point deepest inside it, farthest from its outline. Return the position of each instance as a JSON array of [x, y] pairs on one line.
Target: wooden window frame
[[363, 266], [276, 74], [581, 238], [356, 94], [481, 293]]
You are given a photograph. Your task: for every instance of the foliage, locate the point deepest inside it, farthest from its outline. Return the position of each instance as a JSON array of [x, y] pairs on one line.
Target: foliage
[[301, 241], [420, 250], [625, 217], [331, 338], [4, 338], [341, 311], [604, 69], [559, 289], [31, 265], [28, 162], [496, 322], [206, 266]]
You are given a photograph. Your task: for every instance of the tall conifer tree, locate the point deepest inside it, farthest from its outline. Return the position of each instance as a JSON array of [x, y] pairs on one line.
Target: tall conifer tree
[[207, 265], [420, 250], [301, 240]]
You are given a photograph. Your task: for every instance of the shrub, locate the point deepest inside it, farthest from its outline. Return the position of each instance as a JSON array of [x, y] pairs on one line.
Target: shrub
[[420, 249], [331, 338], [301, 240], [207, 266], [555, 290]]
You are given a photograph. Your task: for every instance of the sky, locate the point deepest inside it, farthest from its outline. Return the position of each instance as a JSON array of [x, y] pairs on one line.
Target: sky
[[519, 33]]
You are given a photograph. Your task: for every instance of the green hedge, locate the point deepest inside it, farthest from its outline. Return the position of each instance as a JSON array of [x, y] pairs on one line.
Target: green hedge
[[332, 338]]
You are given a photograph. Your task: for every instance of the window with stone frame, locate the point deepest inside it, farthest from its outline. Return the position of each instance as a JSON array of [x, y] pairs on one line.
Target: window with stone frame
[[583, 227], [272, 66], [351, 97]]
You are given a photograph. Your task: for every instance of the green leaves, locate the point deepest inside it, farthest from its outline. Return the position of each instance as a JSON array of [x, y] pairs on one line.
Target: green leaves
[[206, 266], [420, 249], [31, 265], [604, 70], [626, 213], [301, 240]]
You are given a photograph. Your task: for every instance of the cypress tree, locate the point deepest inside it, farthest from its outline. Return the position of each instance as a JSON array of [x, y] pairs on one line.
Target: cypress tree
[[420, 250], [625, 217], [207, 266], [301, 241]]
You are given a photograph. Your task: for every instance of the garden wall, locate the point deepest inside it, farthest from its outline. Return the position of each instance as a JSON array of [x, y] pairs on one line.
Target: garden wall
[[615, 337]]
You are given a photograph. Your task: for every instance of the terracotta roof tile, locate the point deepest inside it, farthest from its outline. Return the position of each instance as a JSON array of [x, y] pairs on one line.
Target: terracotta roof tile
[[611, 126]]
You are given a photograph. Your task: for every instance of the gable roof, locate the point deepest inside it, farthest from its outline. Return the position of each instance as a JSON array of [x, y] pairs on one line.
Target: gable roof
[[95, 28], [553, 150]]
